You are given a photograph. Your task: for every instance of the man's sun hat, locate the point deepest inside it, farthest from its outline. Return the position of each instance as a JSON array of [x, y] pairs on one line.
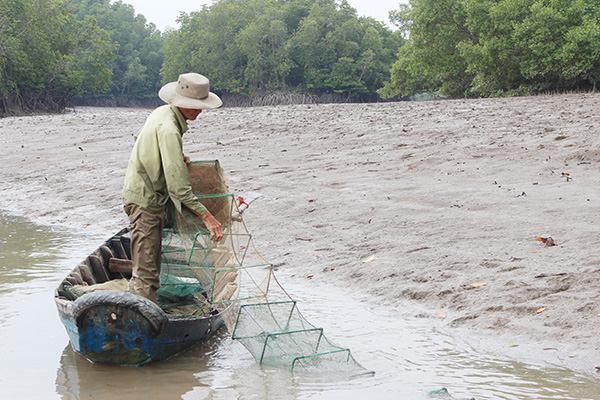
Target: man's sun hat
[[191, 90]]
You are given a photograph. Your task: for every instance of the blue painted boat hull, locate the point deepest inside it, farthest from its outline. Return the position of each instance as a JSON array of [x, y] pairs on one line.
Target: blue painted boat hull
[[117, 327]]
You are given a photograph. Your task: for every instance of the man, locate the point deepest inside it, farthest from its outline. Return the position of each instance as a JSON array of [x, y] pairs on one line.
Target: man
[[157, 171]]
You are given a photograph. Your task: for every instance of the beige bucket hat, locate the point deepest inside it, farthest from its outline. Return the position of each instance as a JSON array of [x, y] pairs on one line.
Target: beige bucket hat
[[191, 90]]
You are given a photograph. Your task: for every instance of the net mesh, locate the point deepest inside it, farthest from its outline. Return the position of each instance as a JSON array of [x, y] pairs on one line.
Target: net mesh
[[200, 276]]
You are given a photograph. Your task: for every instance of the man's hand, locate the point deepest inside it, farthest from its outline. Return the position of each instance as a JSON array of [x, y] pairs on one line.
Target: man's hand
[[187, 160], [213, 226]]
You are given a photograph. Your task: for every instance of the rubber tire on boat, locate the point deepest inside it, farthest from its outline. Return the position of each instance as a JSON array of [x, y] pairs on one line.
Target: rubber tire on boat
[[95, 263], [86, 274], [150, 311]]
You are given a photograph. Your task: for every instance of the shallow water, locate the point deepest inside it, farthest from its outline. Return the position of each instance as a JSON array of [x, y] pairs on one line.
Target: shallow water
[[409, 357]]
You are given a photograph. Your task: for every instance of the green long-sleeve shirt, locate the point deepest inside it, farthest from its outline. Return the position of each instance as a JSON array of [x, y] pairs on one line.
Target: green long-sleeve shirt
[[156, 169]]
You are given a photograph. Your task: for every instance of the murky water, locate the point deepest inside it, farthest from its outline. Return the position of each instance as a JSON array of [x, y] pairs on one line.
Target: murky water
[[409, 357]]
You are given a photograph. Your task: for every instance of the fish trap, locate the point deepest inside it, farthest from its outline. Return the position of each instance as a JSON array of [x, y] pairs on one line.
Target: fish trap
[[231, 277], [277, 334]]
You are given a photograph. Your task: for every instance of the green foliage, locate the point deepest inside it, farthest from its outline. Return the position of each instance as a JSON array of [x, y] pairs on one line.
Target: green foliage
[[436, 28], [493, 48], [136, 45], [253, 46], [56, 50], [47, 56]]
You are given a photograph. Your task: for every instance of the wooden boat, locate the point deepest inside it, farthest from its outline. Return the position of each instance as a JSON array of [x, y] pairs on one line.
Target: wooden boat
[[118, 327], [200, 291]]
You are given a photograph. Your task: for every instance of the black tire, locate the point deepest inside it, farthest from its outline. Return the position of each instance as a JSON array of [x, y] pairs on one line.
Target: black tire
[[86, 274], [155, 316], [104, 253], [117, 248], [98, 269], [74, 278]]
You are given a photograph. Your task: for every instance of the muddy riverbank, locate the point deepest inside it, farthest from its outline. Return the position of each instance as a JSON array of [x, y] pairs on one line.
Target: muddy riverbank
[[434, 208]]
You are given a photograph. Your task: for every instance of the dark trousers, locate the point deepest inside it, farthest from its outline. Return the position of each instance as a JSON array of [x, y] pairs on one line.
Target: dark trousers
[[146, 233]]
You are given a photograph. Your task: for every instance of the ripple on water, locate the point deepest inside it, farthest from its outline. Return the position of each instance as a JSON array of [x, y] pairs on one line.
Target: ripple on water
[[409, 356]]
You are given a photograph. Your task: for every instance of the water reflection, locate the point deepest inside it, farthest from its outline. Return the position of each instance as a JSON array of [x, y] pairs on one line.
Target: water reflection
[[410, 359], [26, 251], [33, 260], [77, 378], [409, 356], [215, 369]]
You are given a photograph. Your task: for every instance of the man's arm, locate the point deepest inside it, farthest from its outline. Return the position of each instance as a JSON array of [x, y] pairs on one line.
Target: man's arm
[[178, 182], [213, 226]]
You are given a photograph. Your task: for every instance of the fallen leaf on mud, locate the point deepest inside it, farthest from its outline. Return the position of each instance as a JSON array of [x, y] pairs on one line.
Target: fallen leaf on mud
[[369, 259], [548, 241], [540, 310], [310, 276], [441, 314], [478, 284]]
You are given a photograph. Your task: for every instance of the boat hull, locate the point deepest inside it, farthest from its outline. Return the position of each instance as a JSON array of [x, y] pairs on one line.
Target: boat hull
[[114, 333], [118, 327]]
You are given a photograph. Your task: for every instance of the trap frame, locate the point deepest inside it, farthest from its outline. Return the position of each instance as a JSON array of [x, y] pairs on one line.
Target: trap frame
[[232, 278]]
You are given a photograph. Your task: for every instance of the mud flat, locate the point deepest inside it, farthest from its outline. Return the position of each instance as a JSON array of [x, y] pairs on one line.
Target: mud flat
[[433, 208]]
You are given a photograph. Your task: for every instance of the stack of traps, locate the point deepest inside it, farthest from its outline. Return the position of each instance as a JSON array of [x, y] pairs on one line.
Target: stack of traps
[[199, 276]]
